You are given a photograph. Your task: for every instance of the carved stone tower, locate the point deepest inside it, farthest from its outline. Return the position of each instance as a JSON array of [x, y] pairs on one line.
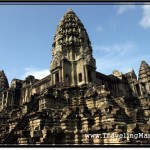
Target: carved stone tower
[[144, 78], [3, 81], [144, 72], [72, 53]]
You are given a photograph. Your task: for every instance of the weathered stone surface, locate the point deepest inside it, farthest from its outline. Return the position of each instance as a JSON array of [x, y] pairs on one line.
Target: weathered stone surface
[[3, 81], [75, 104]]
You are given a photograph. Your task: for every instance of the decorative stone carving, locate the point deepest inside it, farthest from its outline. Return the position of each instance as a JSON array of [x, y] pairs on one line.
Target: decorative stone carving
[[117, 74], [69, 31], [144, 72], [3, 81], [63, 114], [57, 57], [90, 60]]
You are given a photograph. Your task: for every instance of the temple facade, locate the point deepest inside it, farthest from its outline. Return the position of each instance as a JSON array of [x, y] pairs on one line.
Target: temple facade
[[75, 104]]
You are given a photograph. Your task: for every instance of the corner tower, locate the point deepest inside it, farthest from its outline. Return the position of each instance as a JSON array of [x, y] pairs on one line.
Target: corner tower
[[3, 81], [144, 72], [72, 52], [144, 78]]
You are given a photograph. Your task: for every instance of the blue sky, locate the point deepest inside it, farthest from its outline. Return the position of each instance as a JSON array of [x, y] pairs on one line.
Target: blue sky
[[120, 36]]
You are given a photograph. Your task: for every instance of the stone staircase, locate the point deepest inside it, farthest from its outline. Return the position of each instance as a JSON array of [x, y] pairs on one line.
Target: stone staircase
[[11, 137]]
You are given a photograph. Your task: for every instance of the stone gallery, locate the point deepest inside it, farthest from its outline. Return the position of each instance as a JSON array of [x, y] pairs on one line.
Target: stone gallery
[[75, 104]]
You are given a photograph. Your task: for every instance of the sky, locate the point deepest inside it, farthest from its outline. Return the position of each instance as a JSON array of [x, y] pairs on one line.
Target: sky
[[119, 34]]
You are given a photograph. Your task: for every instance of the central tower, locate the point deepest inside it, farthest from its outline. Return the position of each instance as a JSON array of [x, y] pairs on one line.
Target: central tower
[[72, 53]]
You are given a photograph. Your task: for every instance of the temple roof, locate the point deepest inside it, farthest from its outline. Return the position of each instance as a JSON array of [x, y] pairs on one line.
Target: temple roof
[[70, 31]]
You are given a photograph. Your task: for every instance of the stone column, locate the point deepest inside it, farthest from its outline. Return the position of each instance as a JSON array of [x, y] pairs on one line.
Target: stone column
[[7, 99], [86, 74], [2, 101], [71, 54], [60, 76], [141, 89], [134, 89], [73, 74], [53, 79], [62, 71]]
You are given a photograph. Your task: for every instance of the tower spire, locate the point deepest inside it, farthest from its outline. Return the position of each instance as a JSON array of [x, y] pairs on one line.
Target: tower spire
[[3, 81], [69, 10], [144, 71], [72, 50], [70, 33]]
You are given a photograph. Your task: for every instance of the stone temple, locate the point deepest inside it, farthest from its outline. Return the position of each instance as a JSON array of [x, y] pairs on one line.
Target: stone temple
[[75, 104]]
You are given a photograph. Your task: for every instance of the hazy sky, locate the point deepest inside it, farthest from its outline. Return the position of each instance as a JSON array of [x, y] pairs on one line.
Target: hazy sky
[[120, 36]]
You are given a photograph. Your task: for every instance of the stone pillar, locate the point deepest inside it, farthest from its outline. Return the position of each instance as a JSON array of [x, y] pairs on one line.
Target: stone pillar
[[25, 98], [86, 74], [71, 54], [134, 90], [62, 71], [73, 74], [2, 101], [60, 75], [53, 78], [7, 96], [141, 89]]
